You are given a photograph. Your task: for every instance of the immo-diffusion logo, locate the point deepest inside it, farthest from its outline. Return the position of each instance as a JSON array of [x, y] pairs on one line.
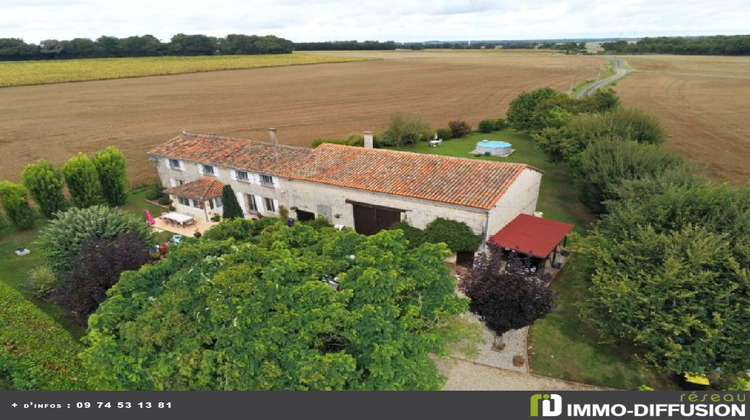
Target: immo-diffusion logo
[[551, 405]]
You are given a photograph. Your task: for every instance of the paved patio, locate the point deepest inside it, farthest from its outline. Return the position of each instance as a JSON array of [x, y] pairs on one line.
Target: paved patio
[[201, 225]]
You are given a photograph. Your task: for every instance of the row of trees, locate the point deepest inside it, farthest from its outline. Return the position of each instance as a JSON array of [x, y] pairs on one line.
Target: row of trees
[[709, 45], [102, 179], [143, 46], [668, 259]]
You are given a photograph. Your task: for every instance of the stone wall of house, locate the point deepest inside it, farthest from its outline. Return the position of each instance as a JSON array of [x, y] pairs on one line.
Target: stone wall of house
[[520, 197], [330, 201], [190, 171]]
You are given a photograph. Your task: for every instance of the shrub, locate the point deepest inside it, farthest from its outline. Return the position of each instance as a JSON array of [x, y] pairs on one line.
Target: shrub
[[83, 181], [15, 201], [444, 133], [405, 129], [110, 167], [318, 142], [239, 229], [155, 192], [62, 238], [459, 128], [486, 126], [500, 124], [414, 236], [356, 139], [492, 124], [41, 282], [457, 235], [45, 184], [232, 207], [319, 222], [164, 200]]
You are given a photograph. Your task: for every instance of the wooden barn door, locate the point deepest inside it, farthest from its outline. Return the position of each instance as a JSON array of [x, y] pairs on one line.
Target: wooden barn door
[[369, 220]]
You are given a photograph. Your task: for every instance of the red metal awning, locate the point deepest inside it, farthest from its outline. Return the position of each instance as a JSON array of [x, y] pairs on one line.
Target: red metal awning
[[531, 235]]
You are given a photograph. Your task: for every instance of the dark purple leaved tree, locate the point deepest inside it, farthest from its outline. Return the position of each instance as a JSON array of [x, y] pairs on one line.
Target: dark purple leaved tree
[[505, 294], [96, 269]]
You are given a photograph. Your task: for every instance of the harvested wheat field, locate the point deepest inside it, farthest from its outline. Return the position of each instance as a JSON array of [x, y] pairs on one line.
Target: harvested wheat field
[[303, 103], [704, 103]]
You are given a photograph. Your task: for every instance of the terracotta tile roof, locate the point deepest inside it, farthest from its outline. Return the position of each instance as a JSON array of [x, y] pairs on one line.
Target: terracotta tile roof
[[466, 182], [201, 189], [531, 235], [248, 155]]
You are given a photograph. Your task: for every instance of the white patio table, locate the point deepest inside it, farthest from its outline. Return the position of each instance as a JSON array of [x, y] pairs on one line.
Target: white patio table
[[182, 219]]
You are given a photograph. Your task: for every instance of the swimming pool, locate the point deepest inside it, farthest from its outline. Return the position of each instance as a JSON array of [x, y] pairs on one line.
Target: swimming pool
[[493, 147]]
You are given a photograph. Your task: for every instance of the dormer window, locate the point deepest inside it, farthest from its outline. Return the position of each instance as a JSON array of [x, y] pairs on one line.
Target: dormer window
[[209, 170]]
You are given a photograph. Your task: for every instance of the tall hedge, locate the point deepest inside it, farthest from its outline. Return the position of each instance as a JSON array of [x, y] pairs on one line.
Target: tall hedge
[[14, 199], [45, 183], [36, 353], [605, 164], [110, 168], [83, 181]]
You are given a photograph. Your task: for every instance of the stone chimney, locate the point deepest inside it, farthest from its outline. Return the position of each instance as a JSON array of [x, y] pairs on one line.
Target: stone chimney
[[272, 134], [368, 140]]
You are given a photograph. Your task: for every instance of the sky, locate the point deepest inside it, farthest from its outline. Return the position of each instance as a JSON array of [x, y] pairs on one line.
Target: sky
[[382, 20]]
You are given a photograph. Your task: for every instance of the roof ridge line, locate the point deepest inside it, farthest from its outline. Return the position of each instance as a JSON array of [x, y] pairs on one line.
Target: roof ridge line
[[474, 161], [219, 136]]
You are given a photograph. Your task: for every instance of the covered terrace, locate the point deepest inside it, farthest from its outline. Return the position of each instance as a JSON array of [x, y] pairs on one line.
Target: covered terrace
[[542, 240]]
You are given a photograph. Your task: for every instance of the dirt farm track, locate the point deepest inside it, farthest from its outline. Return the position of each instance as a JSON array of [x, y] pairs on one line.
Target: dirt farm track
[[706, 112]]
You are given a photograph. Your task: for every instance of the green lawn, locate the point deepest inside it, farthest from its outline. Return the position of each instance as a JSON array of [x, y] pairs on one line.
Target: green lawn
[[14, 270], [562, 345], [558, 197]]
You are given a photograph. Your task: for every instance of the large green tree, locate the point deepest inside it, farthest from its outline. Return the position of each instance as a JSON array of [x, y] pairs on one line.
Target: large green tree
[[83, 181], [528, 111], [15, 201], [111, 170], [45, 183], [292, 308]]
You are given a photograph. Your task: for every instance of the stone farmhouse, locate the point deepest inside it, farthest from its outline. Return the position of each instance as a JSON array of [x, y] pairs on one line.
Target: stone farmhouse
[[359, 187]]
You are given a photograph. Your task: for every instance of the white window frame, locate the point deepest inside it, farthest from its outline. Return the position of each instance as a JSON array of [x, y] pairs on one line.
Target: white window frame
[[171, 163], [183, 201], [205, 171], [266, 180], [240, 176], [253, 204], [269, 204]]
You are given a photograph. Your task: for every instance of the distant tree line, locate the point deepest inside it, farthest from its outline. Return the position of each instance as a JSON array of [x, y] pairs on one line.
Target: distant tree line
[[709, 45], [345, 46], [143, 46], [391, 45]]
